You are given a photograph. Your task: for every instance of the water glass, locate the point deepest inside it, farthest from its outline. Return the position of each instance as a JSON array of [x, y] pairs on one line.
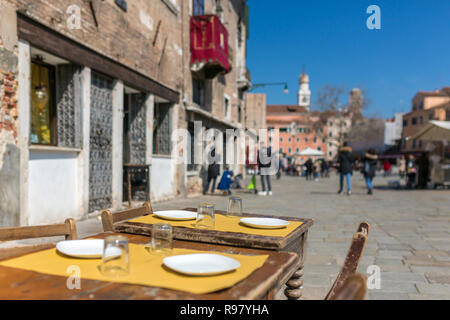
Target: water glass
[[162, 236], [205, 216], [234, 206], [115, 260]]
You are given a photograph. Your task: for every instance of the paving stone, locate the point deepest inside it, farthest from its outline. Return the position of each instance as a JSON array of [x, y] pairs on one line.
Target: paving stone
[[439, 289]]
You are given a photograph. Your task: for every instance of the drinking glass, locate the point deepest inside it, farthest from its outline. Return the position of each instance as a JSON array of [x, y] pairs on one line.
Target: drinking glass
[[234, 206], [115, 260], [161, 239], [205, 216]]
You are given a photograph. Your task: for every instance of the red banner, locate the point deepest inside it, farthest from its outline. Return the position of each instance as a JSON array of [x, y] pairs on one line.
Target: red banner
[[209, 41]]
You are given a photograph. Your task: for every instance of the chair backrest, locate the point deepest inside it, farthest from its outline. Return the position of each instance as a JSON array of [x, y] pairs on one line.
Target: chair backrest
[[67, 229], [109, 218], [364, 227], [354, 288], [352, 260]]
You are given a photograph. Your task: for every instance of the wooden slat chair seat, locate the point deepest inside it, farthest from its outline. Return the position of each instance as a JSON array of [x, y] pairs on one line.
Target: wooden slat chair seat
[[67, 229], [354, 288], [352, 259], [109, 218]]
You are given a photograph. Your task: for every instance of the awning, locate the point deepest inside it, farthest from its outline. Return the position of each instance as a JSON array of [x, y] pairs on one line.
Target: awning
[[434, 131], [311, 152]]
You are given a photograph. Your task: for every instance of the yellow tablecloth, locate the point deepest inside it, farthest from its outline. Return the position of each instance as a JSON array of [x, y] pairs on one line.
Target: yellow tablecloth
[[226, 224], [145, 269]]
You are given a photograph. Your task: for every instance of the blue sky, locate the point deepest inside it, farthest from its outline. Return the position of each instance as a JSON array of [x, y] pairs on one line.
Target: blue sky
[[410, 53]]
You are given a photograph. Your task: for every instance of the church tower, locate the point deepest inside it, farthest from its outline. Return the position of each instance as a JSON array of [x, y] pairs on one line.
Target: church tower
[[304, 94]]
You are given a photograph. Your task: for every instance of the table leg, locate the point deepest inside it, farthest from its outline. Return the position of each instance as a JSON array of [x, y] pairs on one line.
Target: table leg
[[294, 286]]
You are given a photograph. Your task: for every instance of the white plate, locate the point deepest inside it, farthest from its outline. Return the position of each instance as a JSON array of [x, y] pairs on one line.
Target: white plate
[[81, 248], [176, 215], [265, 223], [201, 264]]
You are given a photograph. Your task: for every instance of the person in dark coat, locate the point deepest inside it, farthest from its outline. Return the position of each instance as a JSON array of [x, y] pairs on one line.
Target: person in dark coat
[[213, 173], [309, 169], [369, 168], [345, 167], [424, 171]]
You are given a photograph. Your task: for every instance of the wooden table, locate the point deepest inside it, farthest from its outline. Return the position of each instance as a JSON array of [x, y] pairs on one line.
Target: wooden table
[[295, 242], [261, 284]]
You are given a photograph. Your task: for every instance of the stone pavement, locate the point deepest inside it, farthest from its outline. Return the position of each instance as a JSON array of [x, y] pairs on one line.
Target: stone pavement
[[409, 238]]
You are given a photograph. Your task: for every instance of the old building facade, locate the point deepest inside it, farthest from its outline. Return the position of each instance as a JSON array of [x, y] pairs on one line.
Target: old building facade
[[425, 106], [91, 93]]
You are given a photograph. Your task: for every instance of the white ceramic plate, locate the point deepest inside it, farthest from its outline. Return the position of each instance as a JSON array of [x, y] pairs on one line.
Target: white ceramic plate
[[265, 223], [81, 248], [201, 264], [176, 215]]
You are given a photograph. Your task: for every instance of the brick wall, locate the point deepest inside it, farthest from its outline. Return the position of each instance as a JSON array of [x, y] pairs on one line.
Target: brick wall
[[132, 38]]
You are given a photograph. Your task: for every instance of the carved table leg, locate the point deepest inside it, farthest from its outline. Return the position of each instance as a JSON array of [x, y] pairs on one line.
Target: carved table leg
[[294, 286]]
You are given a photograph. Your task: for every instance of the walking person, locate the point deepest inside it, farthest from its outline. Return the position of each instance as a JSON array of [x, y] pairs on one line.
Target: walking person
[[264, 164], [424, 171], [309, 169], [345, 168], [387, 168], [410, 172], [225, 182], [213, 173], [370, 168]]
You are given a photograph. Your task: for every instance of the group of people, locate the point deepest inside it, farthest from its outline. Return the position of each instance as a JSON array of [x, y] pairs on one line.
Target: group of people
[[345, 168], [314, 169], [416, 171]]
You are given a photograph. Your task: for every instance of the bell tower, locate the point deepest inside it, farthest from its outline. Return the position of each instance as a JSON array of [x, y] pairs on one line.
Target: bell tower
[[304, 94]]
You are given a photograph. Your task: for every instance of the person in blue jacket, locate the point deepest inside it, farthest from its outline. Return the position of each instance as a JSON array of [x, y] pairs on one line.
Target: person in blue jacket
[[225, 181]]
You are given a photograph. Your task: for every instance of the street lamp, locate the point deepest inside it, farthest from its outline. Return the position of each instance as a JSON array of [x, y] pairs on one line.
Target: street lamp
[[259, 85]]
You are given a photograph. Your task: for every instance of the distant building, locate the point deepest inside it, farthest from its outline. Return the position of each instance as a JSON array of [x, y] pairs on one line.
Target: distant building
[[393, 130], [298, 129], [255, 112], [425, 106]]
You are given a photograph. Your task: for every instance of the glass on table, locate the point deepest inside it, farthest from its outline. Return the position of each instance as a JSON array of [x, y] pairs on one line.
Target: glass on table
[[115, 259], [162, 236], [205, 216], [234, 206]]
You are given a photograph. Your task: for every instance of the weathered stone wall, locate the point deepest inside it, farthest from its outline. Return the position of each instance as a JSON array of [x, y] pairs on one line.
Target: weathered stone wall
[[9, 151]]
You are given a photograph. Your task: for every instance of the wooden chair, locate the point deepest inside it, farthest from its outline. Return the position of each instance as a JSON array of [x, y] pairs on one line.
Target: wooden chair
[[352, 259], [109, 218], [67, 229], [354, 288]]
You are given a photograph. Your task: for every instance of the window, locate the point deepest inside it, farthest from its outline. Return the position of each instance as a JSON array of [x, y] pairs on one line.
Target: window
[[199, 92], [414, 106], [198, 7], [297, 150], [315, 140], [298, 139], [227, 108], [420, 119], [289, 139], [430, 116], [331, 135], [289, 150], [281, 150], [319, 148], [271, 128], [405, 122], [323, 140], [162, 129], [191, 165], [281, 139], [414, 121], [283, 129], [414, 144], [43, 109], [420, 143], [330, 154], [306, 139], [421, 105]]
